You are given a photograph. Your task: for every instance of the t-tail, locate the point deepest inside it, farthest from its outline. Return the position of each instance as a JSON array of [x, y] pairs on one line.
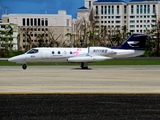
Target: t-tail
[[134, 42]]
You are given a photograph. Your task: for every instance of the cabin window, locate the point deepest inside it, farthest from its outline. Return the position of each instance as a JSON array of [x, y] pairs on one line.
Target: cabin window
[[65, 52], [52, 52], [32, 51], [59, 52], [70, 52]]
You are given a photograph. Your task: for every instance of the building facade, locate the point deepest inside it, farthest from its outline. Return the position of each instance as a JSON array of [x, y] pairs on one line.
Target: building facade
[[137, 15], [8, 36], [41, 29]]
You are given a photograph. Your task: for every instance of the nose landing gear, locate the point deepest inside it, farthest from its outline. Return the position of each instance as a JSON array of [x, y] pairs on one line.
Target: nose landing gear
[[24, 66]]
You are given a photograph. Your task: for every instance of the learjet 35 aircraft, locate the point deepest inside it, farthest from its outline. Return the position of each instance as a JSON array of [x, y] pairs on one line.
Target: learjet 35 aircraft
[[132, 47]]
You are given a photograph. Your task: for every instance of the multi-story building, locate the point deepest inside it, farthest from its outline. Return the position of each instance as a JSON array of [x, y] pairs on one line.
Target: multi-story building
[[142, 15], [137, 15], [8, 36], [45, 28]]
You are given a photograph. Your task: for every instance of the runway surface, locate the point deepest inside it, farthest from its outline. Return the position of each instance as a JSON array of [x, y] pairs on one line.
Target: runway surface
[[69, 93], [71, 79]]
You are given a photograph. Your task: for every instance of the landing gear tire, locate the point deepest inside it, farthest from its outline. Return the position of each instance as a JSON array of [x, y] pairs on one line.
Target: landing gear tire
[[24, 66]]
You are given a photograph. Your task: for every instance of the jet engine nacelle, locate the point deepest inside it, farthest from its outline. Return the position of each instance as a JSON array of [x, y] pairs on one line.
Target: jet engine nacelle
[[88, 59]]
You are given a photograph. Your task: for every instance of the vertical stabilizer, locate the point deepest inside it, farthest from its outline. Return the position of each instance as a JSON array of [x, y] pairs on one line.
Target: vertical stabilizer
[[135, 41]]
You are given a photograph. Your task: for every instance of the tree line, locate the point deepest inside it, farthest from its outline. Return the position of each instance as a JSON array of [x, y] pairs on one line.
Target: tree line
[[86, 34]]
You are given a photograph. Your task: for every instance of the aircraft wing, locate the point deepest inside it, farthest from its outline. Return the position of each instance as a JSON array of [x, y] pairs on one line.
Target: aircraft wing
[[88, 58]]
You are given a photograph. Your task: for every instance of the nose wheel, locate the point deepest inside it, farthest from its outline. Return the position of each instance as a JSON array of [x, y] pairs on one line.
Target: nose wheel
[[24, 66]]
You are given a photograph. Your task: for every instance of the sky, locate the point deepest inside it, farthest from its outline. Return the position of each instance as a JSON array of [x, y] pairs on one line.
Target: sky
[[40, 6]]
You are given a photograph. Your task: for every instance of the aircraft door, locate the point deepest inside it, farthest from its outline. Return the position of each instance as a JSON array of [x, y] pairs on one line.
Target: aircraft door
[[46, 54]]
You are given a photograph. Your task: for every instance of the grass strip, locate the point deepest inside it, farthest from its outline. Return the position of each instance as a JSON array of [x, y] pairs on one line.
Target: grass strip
[[107, 62]]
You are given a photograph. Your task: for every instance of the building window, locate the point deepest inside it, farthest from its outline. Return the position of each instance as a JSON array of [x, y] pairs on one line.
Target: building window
[[148, 9], [144, 9], [154, 9], [118, 22], [27, 21], [31, 21], [132, 16], [39, 22], [90, 4], [131, 31], [117, 26], [118, 16], [117, 9], [112, 9], [102, 10], [153, 16], [46, 22], [35, 22], [132, 21], [109, 10], [125, 9], [23, 22], [42, 22], [105, 10], [141, 9], [132, 26], [132, 9], [137, 9], [97, 10]]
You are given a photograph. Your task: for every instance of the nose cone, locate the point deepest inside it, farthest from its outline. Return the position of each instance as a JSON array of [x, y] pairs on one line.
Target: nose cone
[[17, 59]]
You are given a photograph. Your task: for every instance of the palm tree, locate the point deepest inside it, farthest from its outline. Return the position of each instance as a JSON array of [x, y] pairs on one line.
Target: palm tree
[[70, 39]]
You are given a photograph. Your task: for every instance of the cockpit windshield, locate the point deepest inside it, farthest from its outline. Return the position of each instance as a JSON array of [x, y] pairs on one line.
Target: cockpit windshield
[[32, 51]]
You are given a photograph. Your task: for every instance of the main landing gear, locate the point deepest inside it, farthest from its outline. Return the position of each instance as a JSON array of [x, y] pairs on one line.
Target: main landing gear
[[84, 65], [24, 66]]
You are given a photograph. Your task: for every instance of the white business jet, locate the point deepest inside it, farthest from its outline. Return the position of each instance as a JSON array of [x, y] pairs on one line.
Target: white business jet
[[132, 47]]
